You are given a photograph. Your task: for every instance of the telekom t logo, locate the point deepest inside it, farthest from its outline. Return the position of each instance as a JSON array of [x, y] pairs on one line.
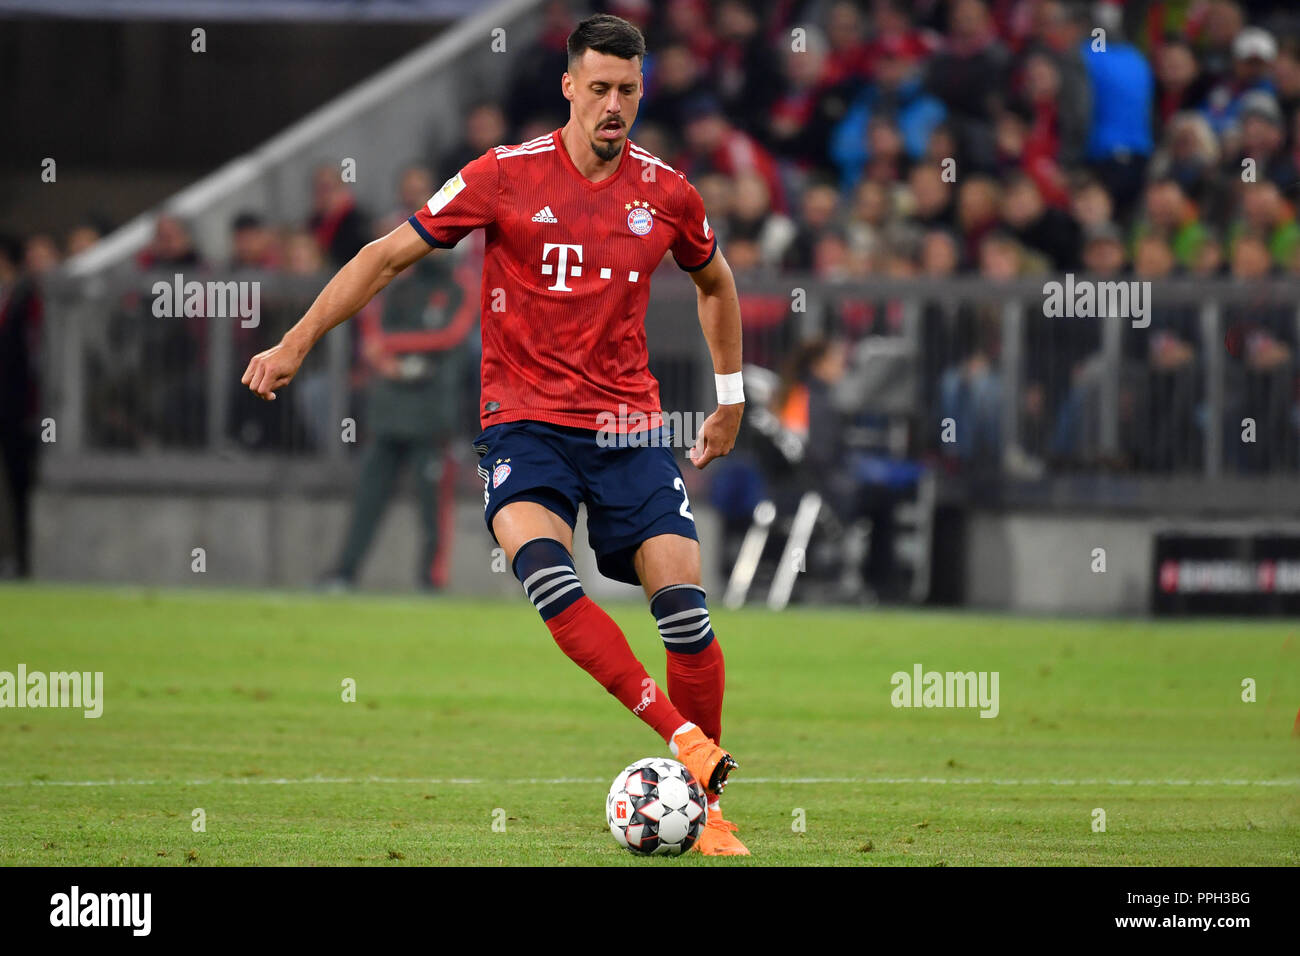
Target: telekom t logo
[[564, 269]]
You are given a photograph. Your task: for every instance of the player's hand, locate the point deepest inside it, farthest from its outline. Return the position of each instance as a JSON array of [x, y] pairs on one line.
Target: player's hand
[[717, 435], [270, 370]]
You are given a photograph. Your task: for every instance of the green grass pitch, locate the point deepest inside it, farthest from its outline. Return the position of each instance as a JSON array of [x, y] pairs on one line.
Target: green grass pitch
[[467, 714]]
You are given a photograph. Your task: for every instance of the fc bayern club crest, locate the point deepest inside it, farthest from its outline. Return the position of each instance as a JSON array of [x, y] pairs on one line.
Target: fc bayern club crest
[[639, 220], [500, 474]]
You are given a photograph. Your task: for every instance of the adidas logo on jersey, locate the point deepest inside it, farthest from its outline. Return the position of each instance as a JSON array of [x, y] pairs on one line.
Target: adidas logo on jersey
[[545, 215]]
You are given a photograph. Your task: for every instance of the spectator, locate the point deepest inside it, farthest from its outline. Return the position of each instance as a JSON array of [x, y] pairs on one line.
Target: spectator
[[1260, 380], [1159, 378], [713, 143], [894, 35], [939, 254], [1253, 53], [1091, 205], [752, 220], [820, 202], [1286, 76], [1266, 216], [743, 78], [1208, 262], [849, 57], [809, 107], [687, 22], [870, 217], [339, 226], [1263, 142], [1170, 216], [978, 201], [969, 75], [718, 193], [833, 259], [930, 198], [170, 247], [413, 344], [1071, 365], [1038, 226], [1180, 85], [532, 86], [1120, 138], [21, 312], [1058, 128], [969, 400], [1212, 30], [943, 146], [806, 404], [485, 129], [302, 256], [253, 244], [676, 81], [898, 99], [1189, 155], [415, 186], [41, 256]]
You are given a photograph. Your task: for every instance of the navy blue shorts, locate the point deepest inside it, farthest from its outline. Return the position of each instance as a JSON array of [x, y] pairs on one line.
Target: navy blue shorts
[[631, 493]]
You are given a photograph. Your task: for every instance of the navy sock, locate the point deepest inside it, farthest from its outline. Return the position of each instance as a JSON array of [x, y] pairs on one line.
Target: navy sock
[[546, 571], [683, 618]]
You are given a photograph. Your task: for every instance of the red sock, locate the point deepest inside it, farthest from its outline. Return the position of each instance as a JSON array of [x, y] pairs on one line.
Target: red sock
[[596, 644], [696, 683]]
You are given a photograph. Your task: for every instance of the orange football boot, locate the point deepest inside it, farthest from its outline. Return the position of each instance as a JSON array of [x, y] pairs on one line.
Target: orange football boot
[[702, 757], [718, 837]]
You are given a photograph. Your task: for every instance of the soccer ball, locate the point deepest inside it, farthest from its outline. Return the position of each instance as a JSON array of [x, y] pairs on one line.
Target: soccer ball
[[656, 807]]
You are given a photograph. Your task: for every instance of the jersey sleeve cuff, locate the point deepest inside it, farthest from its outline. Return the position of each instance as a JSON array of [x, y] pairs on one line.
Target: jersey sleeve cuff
[[712, 252], [428, 236]]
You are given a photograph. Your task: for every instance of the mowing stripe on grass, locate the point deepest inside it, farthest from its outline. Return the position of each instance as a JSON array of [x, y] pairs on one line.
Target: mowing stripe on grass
[[533, 781]]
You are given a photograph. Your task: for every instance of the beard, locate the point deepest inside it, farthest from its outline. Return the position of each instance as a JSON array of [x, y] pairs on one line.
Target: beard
[[606, 151]]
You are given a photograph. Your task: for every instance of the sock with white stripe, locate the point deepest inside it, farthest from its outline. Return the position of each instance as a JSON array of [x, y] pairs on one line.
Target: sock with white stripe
[[683, 618], [696, 670], [545, 568], [588, 635]]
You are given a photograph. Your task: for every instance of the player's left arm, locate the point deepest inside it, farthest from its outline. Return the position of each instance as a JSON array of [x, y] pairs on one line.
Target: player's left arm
[[719, 307]]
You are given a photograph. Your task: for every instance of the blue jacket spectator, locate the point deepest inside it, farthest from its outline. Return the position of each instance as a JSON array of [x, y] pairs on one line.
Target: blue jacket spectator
[[915, 112], [1123, 90]]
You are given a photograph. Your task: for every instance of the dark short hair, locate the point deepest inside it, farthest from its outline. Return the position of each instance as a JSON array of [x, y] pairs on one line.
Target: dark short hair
[[606, 33]]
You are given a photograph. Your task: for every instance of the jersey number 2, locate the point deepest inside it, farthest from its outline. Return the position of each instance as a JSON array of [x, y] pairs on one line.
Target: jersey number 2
[[685, 509]]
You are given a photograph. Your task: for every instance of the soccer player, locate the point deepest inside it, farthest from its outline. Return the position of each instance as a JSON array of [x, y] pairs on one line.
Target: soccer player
[[575, 222]]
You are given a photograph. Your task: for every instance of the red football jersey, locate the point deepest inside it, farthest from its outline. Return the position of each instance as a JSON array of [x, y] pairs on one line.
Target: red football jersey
[[566, 275]]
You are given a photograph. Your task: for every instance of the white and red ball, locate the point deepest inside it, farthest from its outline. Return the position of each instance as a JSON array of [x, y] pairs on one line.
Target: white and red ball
[[656, 807]]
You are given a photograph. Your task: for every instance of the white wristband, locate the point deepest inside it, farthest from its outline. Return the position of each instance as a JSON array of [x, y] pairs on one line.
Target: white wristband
[[731, 390]]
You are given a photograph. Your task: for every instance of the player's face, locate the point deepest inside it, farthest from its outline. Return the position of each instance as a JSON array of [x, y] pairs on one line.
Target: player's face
[[605, 92]]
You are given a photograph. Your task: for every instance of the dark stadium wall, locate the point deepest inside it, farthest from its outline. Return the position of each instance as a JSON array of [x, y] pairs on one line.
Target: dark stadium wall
[[142, 115]]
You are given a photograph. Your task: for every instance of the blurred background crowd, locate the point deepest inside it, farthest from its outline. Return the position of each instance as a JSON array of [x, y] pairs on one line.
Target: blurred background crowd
[[818, 134], [847, 142]]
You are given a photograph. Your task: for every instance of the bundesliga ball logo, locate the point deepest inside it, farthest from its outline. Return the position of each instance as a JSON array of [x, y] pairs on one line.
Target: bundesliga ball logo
[[640, 221]]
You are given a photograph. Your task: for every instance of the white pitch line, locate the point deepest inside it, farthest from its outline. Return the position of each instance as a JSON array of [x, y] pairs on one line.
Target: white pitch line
[[473, 781]]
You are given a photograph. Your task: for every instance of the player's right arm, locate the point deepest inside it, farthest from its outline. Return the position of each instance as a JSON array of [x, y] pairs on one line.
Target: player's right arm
[[465, 202], [343, 296]]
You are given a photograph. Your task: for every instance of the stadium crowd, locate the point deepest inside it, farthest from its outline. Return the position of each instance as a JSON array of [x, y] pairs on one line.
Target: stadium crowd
[[852, 140]]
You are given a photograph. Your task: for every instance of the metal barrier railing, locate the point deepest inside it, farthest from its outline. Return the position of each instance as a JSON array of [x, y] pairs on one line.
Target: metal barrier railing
[[991, 383]]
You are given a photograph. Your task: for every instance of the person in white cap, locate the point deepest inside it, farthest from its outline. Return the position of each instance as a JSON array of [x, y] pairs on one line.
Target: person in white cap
[[1254, 51]]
